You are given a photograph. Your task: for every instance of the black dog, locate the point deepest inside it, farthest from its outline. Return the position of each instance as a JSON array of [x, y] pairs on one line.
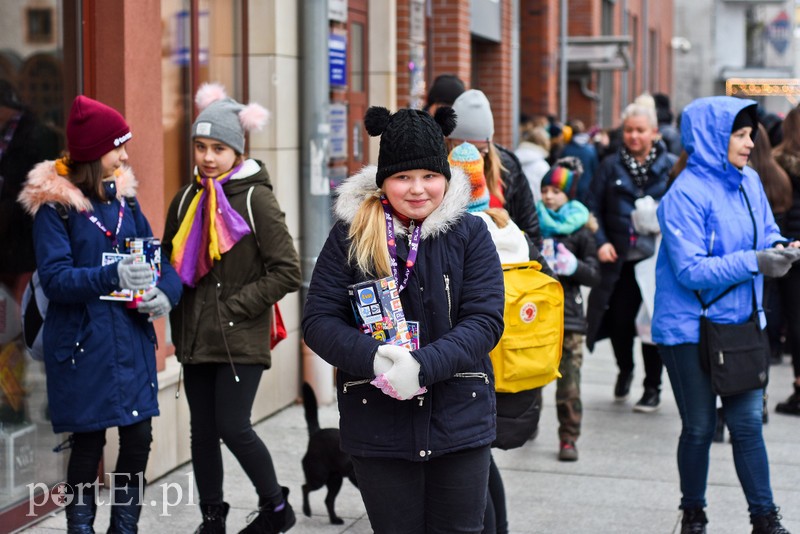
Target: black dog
[[324, 464]]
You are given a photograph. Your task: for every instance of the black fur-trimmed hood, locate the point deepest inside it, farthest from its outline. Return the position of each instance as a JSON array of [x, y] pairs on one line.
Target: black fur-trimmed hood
[[360, 186], [790, 163]]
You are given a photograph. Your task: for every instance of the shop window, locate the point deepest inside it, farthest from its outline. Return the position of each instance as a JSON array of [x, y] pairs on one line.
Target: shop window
[[38, 80], [202, 41]]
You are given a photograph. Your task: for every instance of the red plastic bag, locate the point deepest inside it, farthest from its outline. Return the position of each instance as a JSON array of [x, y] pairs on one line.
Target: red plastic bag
[[278, 332]]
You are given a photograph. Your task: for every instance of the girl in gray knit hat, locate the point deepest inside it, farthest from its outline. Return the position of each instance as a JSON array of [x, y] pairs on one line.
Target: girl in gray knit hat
[[227, 238]]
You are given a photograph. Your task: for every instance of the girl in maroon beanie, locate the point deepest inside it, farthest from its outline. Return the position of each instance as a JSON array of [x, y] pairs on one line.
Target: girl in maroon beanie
[[99, 354]]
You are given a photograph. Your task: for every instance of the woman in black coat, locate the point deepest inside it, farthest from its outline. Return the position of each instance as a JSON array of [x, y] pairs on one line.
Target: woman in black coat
[[638, 169]]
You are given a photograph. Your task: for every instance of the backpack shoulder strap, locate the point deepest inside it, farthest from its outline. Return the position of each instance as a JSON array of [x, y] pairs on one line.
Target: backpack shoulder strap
[[250, 211], [183, 199]]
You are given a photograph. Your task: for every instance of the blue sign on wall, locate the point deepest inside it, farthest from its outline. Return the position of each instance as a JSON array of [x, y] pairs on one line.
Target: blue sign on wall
[[337, 60]]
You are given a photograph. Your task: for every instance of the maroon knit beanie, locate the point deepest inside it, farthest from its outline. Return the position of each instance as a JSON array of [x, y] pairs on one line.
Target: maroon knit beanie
[[93, 129]]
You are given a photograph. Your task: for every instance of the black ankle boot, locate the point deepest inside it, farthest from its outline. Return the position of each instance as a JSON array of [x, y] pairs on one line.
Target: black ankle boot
[[768, 524], [214, 516], [268, 521], [694, 521], [80, 513], [790, 406], [126, 507]]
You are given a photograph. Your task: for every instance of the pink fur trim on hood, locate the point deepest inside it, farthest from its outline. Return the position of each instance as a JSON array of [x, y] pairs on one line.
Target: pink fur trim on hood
[[44, 186]]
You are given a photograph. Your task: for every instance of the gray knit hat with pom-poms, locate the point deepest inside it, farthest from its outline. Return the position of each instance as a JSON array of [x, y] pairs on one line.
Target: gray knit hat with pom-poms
[[224, 119], [410, 139]]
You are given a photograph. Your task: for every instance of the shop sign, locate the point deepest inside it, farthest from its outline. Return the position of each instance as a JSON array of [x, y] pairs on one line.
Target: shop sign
[[337, 60], [337, 117]]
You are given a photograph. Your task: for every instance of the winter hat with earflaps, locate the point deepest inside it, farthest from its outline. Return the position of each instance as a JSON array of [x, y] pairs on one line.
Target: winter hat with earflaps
[[410, 139], [224, 119]]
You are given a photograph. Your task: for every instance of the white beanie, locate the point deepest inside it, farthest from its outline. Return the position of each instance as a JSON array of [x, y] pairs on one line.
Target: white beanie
[[474, 117]]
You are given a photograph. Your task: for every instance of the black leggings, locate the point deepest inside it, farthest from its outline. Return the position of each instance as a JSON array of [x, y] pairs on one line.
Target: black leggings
[[87, 449], [220, 409], [620, 319]]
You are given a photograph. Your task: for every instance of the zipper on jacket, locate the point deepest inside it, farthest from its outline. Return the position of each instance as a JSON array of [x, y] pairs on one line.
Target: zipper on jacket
[[721, 358], [711, 245], [354, 383], [449, 300], [484, 376], [411, 226]]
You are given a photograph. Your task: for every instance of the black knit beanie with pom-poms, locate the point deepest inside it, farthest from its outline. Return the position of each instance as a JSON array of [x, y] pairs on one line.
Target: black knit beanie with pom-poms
[[410, 139]]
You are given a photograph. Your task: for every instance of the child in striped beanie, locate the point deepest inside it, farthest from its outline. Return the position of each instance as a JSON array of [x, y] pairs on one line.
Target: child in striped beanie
[[512, 247]]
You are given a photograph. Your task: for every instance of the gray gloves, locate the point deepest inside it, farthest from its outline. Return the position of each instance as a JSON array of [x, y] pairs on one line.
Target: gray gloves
[[156, 303], [774, 262], [134, 275]]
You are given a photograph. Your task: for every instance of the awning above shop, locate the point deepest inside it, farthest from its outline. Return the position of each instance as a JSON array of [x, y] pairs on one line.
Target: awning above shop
[[602, 53]]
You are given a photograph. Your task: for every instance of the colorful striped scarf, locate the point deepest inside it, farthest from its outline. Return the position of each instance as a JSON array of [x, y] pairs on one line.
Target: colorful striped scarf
[[209, 229]]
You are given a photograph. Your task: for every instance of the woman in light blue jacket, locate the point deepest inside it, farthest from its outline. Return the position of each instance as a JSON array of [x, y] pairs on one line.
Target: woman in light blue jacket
[[708, 247]]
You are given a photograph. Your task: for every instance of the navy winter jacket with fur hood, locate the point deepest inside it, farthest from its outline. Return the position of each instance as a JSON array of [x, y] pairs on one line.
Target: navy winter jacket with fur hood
[[455, 292], [99, 355]]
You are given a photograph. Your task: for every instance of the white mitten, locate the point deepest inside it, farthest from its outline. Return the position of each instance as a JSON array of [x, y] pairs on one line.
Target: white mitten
[[566, 262], [382, 363], [402, 380], [644, 218]]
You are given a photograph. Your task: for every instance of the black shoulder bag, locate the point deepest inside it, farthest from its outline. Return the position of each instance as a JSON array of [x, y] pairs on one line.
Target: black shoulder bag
[[735, 355]]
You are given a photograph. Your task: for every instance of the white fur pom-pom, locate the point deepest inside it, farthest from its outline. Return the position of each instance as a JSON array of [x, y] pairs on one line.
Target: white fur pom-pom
[[208, 93], [254, 117]]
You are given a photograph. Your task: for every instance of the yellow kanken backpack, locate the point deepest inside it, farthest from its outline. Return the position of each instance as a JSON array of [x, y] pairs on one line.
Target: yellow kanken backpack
[[529, 352]]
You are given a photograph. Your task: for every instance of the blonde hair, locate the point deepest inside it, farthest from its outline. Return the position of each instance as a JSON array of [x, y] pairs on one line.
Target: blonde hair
[[499, 215], [368, 239]]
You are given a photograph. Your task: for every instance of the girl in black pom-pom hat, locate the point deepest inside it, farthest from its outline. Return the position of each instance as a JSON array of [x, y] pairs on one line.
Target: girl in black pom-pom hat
[[416, 411]]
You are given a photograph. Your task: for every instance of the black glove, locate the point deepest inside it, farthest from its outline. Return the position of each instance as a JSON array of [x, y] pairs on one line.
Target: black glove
[[772, 263]]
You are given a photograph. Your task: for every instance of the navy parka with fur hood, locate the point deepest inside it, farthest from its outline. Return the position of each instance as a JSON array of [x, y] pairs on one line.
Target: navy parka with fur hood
[[456, 293], [99, 355]]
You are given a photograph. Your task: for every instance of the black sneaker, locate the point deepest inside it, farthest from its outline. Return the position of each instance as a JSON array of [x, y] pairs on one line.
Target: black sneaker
[[623, 387], [650, 401], [790, 406], [768, 524], [694, 522]]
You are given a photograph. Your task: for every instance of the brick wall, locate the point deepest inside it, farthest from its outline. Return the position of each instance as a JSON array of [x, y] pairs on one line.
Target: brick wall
[[539, 56], [493, 76]]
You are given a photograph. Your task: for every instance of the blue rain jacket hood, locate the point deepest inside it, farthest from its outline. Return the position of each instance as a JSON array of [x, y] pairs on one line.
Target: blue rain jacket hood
[[707, 229]]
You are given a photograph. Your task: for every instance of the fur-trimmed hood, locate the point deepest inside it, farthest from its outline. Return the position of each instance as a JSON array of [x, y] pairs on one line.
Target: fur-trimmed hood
[[360, 186], [45, 186]]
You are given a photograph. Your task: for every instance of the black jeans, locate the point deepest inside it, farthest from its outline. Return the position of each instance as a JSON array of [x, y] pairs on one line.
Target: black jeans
[[87, 449], [496, 519], [620, 319], [446, 494], [220, 408]]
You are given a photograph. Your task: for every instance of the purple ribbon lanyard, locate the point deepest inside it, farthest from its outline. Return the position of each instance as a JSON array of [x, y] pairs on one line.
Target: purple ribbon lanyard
[[100, 226], [416, 231]]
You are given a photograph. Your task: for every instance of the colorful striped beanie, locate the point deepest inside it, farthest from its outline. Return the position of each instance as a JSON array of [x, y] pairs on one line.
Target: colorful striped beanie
[[564, 175], [467, 158]]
